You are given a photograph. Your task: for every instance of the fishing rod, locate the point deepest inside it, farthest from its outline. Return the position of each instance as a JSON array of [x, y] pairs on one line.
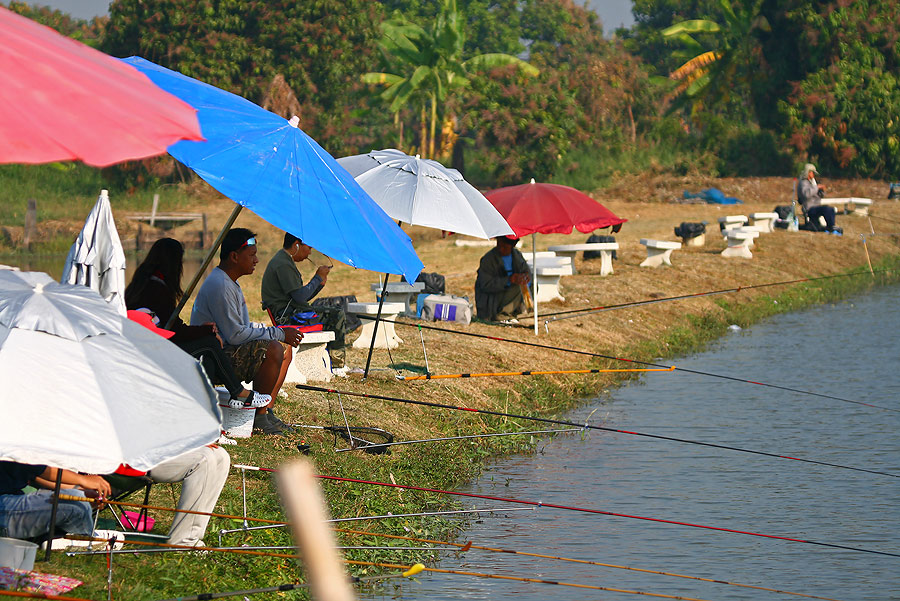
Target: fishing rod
[[525, 373], [591, 310], [592, 427], [470, 436], [420, 568], [635, 361], [524, 579], [388, 516], [291, 587], [609, 513], [463, 547]]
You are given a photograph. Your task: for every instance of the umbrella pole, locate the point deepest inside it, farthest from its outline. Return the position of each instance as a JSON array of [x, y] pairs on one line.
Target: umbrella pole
[[375, 328], [202, 270], [534, 282], [54, 505]]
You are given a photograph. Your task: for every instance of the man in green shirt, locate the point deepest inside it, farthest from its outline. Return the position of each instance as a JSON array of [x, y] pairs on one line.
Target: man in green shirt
[[284, 294]]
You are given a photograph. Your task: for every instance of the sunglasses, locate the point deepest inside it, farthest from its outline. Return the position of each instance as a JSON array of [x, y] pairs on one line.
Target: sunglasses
[[250, 242]]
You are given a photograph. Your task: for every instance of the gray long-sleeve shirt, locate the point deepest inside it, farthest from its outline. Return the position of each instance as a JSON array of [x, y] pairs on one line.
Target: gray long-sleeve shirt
[[221, 300], [808, 194]]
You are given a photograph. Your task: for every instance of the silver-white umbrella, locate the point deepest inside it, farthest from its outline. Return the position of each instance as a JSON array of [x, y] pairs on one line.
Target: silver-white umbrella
[[424, 192], [87, 389], [96, 259]]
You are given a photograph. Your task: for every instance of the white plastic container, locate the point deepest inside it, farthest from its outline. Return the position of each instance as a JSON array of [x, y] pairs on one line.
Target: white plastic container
[[237, 423], [17, 554]]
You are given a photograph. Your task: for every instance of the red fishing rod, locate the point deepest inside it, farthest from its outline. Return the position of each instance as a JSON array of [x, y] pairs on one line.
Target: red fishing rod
[[636, 362], [576, 425], [609, 513]]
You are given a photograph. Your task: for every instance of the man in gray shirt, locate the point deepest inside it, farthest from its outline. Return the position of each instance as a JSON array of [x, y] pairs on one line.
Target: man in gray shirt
[[809, 194], [254, 349]]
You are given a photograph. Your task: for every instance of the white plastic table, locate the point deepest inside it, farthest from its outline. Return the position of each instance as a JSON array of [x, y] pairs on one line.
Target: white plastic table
[[605, 248]]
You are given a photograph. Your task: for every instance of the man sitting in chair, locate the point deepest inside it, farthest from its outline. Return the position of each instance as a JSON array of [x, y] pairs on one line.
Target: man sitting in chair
[[502, 276], [810, 195], [28, 515], [284, 294]]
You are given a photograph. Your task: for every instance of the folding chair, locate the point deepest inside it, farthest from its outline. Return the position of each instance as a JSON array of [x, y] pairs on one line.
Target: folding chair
[[125, 482]]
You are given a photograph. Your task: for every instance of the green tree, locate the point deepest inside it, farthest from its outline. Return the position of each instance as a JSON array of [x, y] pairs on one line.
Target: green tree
[[87, 32], [426, 65]]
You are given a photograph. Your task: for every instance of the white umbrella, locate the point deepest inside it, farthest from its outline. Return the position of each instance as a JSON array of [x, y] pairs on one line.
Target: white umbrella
[[87, 389], [97, 260], [424, 192]]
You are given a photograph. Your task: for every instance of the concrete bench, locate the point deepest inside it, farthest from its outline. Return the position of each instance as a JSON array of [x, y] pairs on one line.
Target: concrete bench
[[400, 292], [729, 222], [549, 259], [659, 252], [857, 206], [386, 337], [311, 362], [739, 243], [765, 221], [605, 248], [756, 230], [548, 282], [471, 242]]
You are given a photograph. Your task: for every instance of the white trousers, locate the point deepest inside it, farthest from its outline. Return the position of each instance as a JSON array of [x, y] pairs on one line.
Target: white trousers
[[202, 473]]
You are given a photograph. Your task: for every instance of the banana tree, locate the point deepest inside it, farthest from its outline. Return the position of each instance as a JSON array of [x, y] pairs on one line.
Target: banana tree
[[426, 65], [711, 74]]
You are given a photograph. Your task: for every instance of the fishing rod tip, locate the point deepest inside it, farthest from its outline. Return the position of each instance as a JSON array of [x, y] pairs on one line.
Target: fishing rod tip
[[413, 570]]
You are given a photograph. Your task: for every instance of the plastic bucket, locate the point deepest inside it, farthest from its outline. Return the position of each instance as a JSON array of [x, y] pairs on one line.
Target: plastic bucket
[[237, 422], [17, 554]]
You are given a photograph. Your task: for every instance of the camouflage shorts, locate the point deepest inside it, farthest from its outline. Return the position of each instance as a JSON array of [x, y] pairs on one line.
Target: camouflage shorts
[[246, 358]]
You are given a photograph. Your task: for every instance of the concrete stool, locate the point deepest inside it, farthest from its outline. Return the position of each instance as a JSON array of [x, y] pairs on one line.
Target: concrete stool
[[729, 222], [606, 249], [765, 221], [695, 241], [311, 361], [739, 244], [386, 337], [659, 252], [401, 292]]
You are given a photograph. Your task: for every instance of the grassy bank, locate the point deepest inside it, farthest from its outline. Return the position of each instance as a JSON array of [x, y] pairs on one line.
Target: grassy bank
[[642, 332], [442, 465]]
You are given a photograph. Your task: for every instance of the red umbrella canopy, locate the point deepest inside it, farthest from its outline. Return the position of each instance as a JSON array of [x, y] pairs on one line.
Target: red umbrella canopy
[[62, 100], [550, 209]]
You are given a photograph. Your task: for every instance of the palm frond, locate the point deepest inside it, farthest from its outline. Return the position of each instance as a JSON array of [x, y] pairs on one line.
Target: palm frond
[[698, 62]]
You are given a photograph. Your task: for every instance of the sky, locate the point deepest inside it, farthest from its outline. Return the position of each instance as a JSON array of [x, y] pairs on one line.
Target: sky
[[613, 13]]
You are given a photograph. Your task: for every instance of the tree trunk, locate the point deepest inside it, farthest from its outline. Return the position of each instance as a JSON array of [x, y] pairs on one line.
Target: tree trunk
[[633, 128], [423, 137], [433, 126]]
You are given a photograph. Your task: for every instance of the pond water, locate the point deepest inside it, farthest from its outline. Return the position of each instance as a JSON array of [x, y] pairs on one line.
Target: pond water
[[847, 350]]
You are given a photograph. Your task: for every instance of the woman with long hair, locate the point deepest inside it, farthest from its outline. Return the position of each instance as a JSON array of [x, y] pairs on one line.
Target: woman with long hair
[[156, 288]]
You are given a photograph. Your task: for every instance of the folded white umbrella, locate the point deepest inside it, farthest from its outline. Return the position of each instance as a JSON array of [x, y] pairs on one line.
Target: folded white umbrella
[[87, 389], [424, 192], [96, 259]]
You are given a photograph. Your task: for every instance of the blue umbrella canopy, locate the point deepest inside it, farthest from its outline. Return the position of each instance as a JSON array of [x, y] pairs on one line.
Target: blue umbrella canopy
[[269, 165]]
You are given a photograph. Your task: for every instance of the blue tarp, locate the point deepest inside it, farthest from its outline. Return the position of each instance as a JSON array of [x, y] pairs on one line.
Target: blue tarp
[[714, 196]]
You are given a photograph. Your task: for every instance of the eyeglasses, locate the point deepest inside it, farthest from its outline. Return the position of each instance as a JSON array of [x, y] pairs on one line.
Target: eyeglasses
[[250, 242]]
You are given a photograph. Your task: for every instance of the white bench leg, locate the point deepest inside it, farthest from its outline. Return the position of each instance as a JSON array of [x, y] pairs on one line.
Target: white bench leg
[[548, 288], [739, 249], [399, 297], [657, 257], [311, 363], [386, 337], [571, 256], [606, 266]]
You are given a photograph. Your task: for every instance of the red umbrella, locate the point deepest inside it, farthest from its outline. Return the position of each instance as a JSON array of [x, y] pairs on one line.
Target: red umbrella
[[550, 209], [62, 100]]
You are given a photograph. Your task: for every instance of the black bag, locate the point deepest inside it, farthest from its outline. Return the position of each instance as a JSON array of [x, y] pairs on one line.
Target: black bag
[[434, 283], [784, 211], [690, 230], [340, 302], [596, 254]]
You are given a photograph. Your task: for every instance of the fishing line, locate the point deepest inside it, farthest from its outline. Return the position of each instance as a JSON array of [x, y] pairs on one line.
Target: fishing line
[[637, 362], [526, 373], [590, 310], [466, 546], [592, 427], [609, 513], [470, 436]]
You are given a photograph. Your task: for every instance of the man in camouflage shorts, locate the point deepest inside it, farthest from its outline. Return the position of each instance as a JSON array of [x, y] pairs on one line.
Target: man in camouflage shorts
[[255, 350]]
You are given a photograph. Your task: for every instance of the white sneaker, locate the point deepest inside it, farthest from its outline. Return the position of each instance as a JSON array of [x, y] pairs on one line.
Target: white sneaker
[[224, 440], [341, 372]]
